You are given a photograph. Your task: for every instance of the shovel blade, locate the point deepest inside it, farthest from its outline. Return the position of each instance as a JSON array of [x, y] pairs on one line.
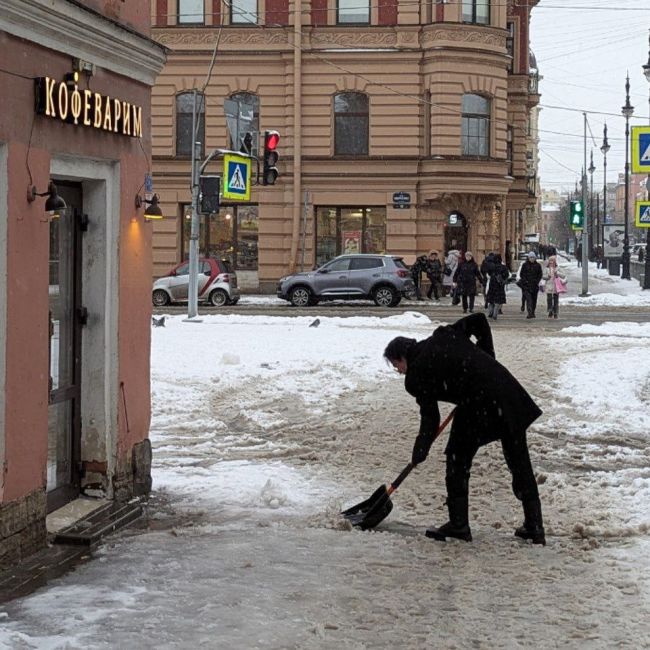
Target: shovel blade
[[370, 512]]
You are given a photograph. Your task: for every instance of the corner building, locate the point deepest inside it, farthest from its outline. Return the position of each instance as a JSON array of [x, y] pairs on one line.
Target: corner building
[[75, 266], [405, 126]]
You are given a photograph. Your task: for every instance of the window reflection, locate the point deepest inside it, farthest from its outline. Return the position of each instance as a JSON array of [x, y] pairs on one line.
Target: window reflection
[[349, 230]]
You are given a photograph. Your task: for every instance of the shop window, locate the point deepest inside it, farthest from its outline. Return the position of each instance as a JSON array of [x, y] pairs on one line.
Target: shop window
[[190, 12], [243, 12], [184, 109], [231, 235], [355, 12], [476, 126], [476, 11], [351, 124], [349, 230], [248, 99]]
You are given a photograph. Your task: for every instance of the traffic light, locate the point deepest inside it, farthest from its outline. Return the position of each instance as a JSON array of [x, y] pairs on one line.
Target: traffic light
[[270, 171], [576, 215]]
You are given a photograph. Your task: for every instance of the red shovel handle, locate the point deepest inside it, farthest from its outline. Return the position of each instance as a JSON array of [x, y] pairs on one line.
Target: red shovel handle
[[407, 470]]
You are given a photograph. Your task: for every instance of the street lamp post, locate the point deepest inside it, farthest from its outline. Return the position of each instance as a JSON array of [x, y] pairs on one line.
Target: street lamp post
[[591, 171], [604, 149], [646, 268], [628, 111]]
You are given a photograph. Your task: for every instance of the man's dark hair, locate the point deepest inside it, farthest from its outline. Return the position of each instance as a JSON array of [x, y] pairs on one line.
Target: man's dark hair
[[398, 348]]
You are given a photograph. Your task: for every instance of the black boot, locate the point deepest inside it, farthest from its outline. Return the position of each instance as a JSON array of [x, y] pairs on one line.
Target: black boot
[[457, 526], [533, 527]]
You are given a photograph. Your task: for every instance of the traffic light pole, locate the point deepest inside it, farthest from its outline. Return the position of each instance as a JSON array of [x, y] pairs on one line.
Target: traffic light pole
[[585, 227], [193, 288]]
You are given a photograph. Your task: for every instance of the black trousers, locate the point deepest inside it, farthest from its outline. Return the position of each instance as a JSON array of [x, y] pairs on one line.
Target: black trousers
[[553, 303], [515, 453], [434, 288], [531, 300], [471, 302]]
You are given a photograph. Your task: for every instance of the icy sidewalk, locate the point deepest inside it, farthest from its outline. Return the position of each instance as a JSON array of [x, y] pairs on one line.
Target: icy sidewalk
[[264, 427]]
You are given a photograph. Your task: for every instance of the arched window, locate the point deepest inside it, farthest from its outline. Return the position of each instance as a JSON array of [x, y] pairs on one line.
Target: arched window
[[184, 109], [351, 124], [476, 126], [249, 107]]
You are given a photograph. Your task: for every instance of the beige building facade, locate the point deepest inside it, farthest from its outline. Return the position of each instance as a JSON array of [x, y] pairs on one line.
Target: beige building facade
[[404, 127]]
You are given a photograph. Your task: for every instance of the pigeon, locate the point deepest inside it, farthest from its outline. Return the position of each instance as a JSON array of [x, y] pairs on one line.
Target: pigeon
[[316, 323], [158, 322]]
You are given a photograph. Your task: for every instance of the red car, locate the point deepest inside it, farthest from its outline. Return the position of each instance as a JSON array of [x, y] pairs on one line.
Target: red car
[[217, 284]]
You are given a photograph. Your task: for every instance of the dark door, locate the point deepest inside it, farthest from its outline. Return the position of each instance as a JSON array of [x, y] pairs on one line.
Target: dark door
[[65, 322]]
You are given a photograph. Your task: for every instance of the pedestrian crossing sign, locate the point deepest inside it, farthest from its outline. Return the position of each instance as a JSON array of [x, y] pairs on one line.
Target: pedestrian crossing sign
[[640, 149], [642, 214], [237, 177]]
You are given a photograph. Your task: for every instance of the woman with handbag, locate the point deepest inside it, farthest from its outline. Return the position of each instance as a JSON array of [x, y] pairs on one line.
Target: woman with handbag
[[555, 284]]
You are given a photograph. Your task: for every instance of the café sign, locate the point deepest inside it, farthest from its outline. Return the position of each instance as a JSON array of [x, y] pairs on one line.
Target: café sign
[[65, 101]]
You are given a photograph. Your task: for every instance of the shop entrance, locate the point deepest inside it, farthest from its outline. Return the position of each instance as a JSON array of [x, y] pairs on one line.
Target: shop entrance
[[66, 318], [456, 232]]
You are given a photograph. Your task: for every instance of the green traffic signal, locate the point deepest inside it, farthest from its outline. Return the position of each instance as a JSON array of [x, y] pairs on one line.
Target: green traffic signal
[[576, 215]]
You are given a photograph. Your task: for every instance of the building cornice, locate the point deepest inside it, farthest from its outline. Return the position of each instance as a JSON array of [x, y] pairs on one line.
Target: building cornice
[[66, 27]]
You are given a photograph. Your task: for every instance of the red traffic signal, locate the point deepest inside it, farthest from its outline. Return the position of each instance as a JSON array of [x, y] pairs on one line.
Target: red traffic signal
[[270, 171]]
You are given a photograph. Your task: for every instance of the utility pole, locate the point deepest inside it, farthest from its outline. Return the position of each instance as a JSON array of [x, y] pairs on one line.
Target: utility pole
[[585, 237]]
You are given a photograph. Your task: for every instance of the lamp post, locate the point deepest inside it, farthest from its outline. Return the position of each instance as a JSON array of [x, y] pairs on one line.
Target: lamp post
[[591, 171], [646, 268], [628, 111], [604, 150]]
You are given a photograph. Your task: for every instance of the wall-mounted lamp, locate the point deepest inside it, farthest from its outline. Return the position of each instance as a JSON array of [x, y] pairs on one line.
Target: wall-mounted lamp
[[152, 210], [54, 202]]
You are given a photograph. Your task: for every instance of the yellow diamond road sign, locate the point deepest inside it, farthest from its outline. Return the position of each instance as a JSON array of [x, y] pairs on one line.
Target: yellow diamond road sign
[[237, 177]]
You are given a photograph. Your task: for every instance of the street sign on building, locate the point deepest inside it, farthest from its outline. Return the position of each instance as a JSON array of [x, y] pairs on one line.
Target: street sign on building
[[641, 149], [642, 214], [237, 177], [401, 200]]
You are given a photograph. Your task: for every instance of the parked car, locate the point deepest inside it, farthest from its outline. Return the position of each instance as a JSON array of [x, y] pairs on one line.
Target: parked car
[[217, 284], [382, 278]]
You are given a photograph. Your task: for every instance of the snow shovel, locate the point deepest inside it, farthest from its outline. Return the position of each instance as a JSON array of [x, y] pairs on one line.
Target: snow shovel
[[374, 510]]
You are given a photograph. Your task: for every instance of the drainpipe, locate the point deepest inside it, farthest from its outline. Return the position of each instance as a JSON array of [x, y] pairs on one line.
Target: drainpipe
[[297, 132]]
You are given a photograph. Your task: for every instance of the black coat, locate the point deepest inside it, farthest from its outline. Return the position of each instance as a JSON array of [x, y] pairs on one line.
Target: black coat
[[498, 278], [466, 276], [448, 367], [434, 272], [529, 275], [421, 265]]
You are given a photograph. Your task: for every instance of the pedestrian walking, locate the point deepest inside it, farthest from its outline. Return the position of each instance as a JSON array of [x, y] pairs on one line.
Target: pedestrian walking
[[530, 275], [465, 278], [491, 405], [449, 268], [485, 268], [419, 266], [579, 255], [434, 273], [498, 275], [555, 283]]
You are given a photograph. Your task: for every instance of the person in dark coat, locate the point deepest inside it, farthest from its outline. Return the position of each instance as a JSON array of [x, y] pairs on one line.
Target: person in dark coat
[[529, 276], [495, 294], [491, 405], [579, 255], [465, 279], [420, 266], [434, 273]]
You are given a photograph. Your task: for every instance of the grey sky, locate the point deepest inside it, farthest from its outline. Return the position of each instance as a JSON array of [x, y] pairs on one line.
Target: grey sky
[[583, 50]]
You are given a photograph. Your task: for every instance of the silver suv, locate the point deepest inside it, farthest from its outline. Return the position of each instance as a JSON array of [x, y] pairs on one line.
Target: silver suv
[[382, 278]]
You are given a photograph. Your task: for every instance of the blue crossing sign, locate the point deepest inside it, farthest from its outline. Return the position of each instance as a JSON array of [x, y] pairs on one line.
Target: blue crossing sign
[[642, 214], [640, 149], [237, 177]]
